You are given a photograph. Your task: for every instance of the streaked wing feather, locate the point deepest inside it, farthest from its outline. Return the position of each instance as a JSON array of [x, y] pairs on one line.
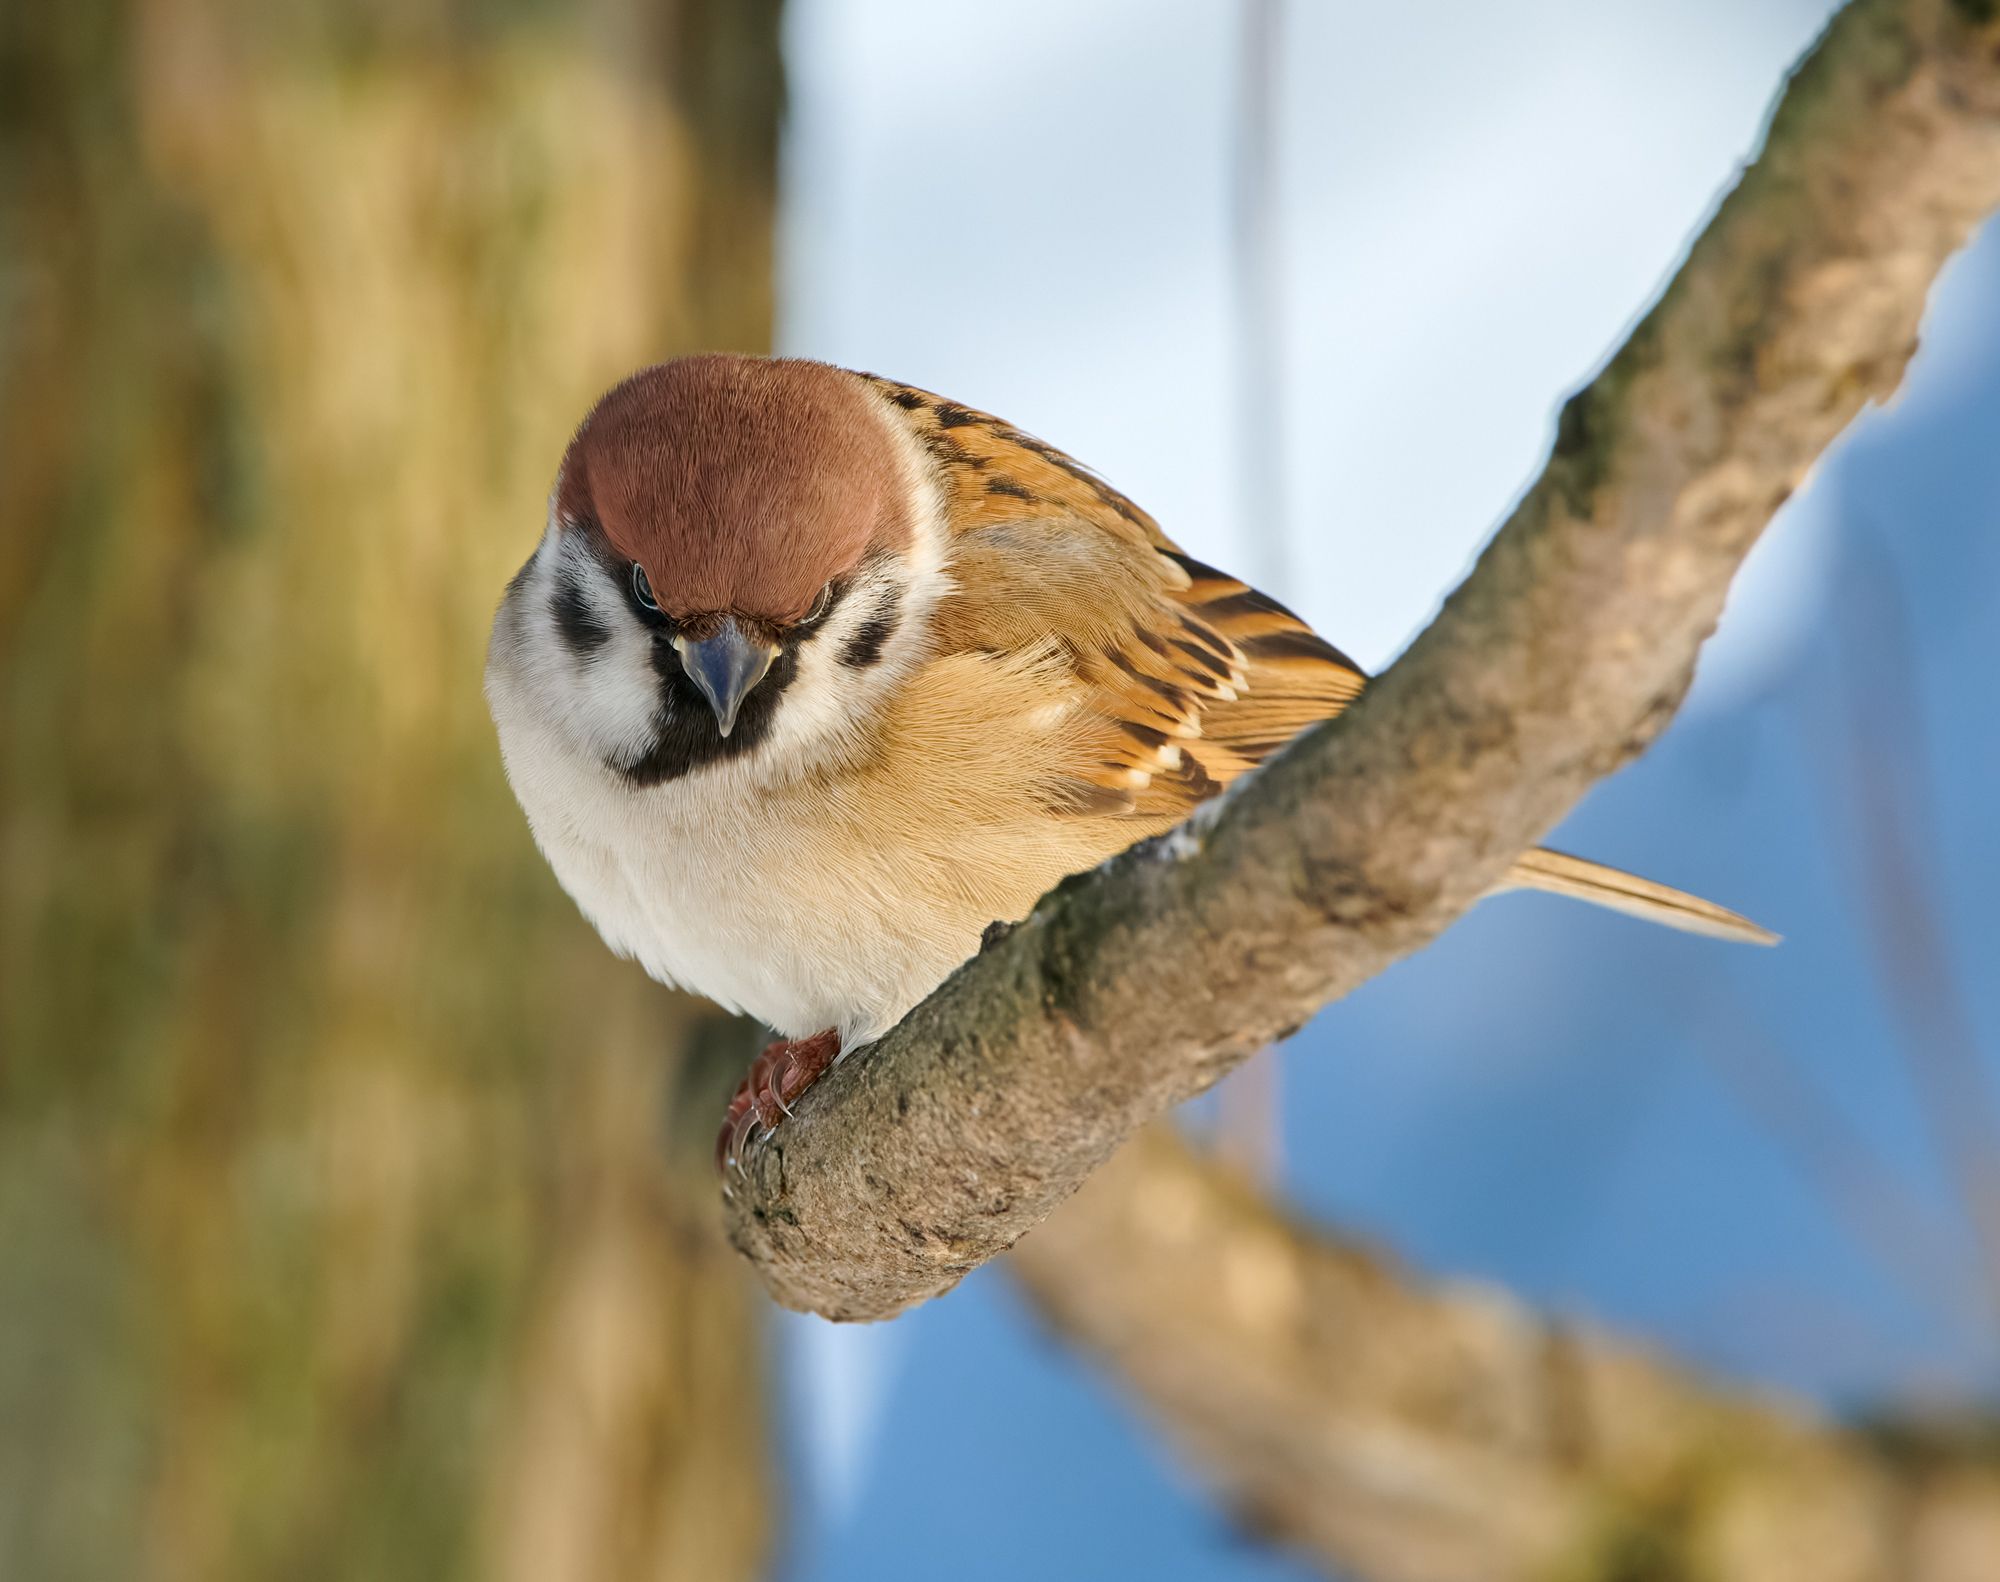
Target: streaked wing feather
[[1195, 676]]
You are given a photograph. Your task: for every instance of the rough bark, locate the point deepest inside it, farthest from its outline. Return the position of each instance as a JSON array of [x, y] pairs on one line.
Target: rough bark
[[1566, 651], [335, 1234], [1409, 1431]]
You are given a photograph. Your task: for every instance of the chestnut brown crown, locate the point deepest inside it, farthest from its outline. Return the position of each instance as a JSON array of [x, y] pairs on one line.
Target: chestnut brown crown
[[742, 485]]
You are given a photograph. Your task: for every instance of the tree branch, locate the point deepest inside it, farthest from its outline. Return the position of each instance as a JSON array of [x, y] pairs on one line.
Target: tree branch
[[1564, 653], [1410, 1433]]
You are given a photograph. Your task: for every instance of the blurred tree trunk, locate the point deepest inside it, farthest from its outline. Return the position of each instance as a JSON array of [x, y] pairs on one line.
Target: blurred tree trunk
[[335, 1238]]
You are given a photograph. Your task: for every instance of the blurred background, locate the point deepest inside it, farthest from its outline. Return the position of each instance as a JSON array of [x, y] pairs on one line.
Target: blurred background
[[355, 1213]]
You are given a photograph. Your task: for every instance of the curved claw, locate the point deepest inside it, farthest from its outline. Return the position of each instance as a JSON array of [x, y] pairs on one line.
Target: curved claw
[[776, 1077], [726, 1148], [771, 1095], [739, 1136]]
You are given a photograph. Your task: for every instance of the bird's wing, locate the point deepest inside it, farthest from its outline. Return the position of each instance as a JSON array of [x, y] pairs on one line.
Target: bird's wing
[[1186, 676]]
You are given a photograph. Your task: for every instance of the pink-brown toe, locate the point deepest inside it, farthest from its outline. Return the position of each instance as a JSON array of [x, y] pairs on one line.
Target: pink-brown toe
[[772, 1085]]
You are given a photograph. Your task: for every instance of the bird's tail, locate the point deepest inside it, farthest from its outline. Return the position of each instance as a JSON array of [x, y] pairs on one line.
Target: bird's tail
[[1561, 874]]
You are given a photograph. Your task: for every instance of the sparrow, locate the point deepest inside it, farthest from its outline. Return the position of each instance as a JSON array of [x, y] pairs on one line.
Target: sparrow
[[813, 676]]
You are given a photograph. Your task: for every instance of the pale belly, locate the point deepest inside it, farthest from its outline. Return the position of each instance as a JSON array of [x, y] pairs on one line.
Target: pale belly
[[790, 916]]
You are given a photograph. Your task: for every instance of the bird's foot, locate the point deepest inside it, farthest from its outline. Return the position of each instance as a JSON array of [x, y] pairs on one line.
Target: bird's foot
[[777, 1077]]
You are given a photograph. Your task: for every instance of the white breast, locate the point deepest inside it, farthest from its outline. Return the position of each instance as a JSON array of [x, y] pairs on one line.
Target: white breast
[[765, 900]]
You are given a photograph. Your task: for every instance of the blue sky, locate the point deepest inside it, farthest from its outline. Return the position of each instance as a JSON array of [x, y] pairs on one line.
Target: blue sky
[[1029, 210]]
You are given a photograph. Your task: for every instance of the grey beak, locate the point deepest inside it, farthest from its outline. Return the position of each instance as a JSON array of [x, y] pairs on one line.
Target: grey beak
[[725, 667]]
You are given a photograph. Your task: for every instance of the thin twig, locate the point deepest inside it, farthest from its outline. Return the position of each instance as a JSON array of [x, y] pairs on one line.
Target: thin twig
[[1249, 1109], [1882, 765]]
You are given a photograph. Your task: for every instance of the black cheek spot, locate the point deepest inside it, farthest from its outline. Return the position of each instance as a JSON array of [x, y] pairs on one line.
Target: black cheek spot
[[864, 648], [577, 623]]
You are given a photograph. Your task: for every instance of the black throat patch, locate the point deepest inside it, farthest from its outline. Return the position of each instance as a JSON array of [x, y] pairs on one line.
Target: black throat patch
[[685, 736]]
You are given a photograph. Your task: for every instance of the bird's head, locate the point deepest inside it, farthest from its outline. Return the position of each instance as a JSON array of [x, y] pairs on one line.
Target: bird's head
[[737, 550]]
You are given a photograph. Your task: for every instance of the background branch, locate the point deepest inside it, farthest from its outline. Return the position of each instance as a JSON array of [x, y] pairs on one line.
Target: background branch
[[1563, 654], [1411, 1432]]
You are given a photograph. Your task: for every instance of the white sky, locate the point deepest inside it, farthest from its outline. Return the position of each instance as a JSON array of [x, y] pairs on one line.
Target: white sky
[[1026, 209]]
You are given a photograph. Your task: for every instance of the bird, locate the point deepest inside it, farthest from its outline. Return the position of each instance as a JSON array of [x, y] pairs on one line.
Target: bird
[[813, 676]]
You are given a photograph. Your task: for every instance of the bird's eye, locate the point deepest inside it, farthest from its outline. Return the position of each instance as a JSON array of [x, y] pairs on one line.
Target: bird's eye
[[822, 602], [642, 590]]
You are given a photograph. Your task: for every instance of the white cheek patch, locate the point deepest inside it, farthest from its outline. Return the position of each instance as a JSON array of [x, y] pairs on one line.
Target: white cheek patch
[[583, 654], [827, 698], [830, 704]]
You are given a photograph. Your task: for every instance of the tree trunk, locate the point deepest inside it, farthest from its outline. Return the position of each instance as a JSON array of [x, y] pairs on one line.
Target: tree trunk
[[337, 1238]]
